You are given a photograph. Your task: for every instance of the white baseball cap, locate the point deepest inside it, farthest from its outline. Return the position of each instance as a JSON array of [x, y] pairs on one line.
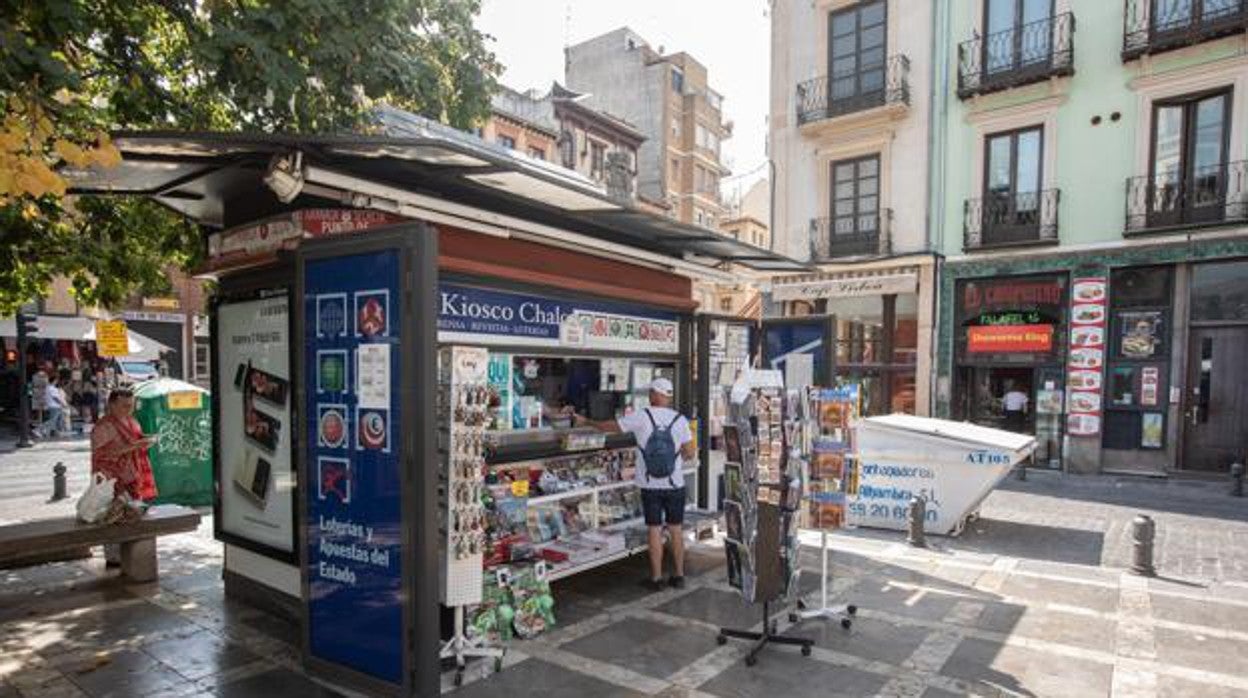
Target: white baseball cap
[[662, 386]]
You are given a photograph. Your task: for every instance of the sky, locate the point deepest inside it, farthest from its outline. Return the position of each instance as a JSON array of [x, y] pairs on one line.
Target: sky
[[729, 37]]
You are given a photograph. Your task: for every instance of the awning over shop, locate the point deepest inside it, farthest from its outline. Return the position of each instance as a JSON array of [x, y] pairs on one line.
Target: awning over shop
[[82, 329], [418, 169]]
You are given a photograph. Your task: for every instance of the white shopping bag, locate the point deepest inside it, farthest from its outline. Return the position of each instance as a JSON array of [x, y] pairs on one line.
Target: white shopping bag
[[94, 503]]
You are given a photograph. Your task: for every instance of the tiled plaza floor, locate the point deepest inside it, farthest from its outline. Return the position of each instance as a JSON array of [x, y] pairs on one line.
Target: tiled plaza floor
[[1032, 600]]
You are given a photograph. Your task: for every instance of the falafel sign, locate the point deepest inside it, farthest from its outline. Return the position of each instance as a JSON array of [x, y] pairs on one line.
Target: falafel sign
[[489, 316]]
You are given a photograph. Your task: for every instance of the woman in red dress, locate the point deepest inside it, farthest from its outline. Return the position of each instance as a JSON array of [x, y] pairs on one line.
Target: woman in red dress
[[119, 449]]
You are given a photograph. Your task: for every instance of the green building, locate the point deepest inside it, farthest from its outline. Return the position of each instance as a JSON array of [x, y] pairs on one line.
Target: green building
[[1088, 199]]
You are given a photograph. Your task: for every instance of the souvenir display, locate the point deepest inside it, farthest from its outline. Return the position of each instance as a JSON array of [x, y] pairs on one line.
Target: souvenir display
[[761, 545]]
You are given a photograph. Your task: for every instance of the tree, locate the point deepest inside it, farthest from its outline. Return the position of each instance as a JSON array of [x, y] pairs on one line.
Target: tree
[[72, 70]]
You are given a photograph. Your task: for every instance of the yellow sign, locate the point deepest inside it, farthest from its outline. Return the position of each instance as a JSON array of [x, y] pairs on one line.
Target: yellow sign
[[520, 488], [111, 338], [185, 400], [162, 303]]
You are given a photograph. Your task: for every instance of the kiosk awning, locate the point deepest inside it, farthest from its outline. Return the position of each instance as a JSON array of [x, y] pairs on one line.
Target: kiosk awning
[[417, 163]]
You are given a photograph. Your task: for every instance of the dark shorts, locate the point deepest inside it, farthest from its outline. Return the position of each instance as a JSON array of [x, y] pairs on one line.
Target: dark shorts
[[663, 506]]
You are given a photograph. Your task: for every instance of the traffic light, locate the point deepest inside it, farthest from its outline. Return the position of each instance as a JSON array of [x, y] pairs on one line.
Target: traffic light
[[26, 325]]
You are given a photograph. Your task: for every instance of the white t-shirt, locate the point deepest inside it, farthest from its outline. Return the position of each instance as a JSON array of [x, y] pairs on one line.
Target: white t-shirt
[[56, 398], [638, 424], [1015, 401]]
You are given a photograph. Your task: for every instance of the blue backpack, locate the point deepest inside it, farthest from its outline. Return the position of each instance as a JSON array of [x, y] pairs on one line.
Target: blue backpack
[[660, 451]]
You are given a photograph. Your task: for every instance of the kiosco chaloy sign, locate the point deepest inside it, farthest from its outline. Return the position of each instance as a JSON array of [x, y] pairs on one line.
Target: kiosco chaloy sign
[[495, 317]]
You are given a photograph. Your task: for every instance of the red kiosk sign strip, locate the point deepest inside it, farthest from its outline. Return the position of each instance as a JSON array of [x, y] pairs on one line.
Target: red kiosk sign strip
[[1086, 360]]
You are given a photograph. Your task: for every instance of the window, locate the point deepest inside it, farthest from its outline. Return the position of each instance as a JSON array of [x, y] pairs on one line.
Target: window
[[1012, 177], [725, 305], [856, 56], [855, 200], [1220, 292], [506, 141], [1177, 15], [1188, 171], [203, 359], [597, 155], [1015, 36], [675, 172], [539, 153], [678, 81], [567, 149], [1137, 382], [675, 126]]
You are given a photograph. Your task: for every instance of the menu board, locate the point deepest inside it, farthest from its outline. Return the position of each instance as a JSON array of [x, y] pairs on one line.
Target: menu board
[[353, 526], [1086, 361], [253, 438]]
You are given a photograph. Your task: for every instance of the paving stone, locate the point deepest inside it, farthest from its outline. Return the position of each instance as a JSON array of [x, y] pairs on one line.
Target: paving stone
[[1207, 612], [124, 673], [868, 638], [782, 671], [199, 655], [933, 692], [1017, 671], [538, 678], [646, 647], [715, 606], [104, 627], [1035, 590], [1197, 651], [1172, 687], [278, 682]]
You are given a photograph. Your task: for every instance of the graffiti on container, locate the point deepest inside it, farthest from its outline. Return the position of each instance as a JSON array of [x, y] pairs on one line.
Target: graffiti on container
[[187, 435]]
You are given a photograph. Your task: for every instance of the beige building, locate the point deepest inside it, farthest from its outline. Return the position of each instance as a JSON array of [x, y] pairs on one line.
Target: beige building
[[516, 123], [668, 98], [849, 103]]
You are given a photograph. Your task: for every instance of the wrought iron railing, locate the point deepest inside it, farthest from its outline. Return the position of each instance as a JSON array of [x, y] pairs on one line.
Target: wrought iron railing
[[1209, 196], [870, 86], [1003, 220], [850, 236], [1033, 52], [1153, 26]]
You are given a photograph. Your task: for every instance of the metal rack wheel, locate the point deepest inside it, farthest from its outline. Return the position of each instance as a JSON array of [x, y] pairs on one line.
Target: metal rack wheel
[[751, 660], [846, 623], [793, 617], [721, 640], [805, 650], [851, 610]]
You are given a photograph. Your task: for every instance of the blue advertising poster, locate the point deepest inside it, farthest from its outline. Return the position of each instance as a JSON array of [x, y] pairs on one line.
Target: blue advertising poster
[[353, 530], [482, 315], [782, 340]]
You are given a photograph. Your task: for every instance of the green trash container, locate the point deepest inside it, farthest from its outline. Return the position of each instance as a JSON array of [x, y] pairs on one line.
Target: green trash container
[[181, 414]]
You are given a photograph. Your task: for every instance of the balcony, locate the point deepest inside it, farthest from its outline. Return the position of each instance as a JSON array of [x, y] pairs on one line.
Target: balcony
[[849, 92], [1216, 195], [833, 239], [1010, 220], [1153, 26], [1031, 53]]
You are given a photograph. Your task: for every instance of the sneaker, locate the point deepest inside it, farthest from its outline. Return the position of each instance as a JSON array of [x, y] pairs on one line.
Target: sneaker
[[677, 582], [653, 584]]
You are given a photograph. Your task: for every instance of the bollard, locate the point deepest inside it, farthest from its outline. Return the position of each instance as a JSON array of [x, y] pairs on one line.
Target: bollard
[[1237, 479], [916, 514], [58, 482], [1143, 531], [1022, 472]]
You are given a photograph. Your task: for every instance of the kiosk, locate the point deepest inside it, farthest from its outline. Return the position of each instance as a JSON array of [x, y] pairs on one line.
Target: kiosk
[[345, 264]]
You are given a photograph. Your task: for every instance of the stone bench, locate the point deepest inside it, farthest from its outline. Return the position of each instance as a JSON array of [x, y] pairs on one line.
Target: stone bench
[[36, 542]]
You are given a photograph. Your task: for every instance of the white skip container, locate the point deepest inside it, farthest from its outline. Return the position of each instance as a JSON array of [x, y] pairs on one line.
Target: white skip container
[[952, 465]]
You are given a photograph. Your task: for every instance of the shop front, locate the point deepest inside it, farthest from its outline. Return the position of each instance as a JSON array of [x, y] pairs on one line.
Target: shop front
[[879, 331], [1131, 359], [393, 386], [1010, 351]]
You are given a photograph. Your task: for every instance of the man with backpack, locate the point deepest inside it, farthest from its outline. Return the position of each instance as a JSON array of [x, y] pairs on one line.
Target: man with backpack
[[666, 441]]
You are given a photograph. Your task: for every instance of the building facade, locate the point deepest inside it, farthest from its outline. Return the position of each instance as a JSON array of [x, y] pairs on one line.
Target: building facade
[[850, 102], [1090, 198], [668, 99], [523, 122]]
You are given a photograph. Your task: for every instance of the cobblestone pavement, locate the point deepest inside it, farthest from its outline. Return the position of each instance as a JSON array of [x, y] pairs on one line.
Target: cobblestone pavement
[[1031, 600]]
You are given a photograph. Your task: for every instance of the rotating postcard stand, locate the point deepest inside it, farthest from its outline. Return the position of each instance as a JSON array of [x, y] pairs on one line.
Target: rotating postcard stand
[[463, 409], [831, 478], [764, 485]]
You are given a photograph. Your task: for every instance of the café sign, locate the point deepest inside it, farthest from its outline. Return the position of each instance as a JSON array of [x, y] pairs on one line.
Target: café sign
[[846, 287]]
